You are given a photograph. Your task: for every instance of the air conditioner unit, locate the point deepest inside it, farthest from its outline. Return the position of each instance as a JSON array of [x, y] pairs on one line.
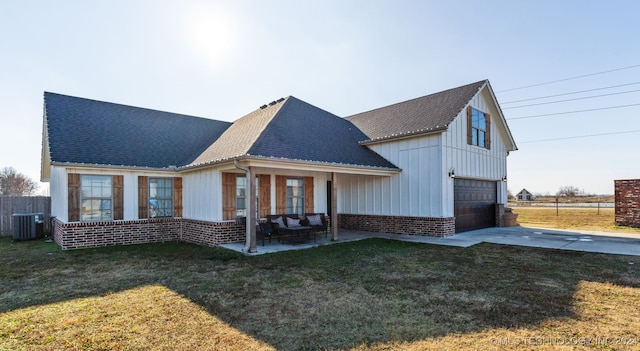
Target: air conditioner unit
[[27, 226]]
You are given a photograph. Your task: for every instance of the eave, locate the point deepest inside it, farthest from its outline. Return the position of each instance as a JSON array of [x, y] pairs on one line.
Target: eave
[[393, 137], [170, 169], [301, 165]]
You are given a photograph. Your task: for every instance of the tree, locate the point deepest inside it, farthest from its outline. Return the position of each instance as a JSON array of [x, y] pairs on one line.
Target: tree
[[13, 183], [569, 191]]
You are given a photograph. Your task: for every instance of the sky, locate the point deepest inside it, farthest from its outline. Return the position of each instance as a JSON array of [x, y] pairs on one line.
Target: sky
[[223, 59]]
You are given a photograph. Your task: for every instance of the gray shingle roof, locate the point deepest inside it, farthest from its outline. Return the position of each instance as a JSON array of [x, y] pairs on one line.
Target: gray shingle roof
[[87, 131], [84, 131], [425, 114], [239, 137], [294, 130]]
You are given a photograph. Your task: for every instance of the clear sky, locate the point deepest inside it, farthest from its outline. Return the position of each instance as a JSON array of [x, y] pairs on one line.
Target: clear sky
[[223, 59]]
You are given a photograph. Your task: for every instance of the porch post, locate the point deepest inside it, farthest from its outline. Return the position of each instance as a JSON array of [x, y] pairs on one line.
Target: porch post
[[334, 207], [250, 220], [251, 211]]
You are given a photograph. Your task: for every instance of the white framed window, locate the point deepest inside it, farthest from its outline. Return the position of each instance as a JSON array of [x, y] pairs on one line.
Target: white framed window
[[295, 196], [479, 128], [96, 201], [241, 196], [160, 197]]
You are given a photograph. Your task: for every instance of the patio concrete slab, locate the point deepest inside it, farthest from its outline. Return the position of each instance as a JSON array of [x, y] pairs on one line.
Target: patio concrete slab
[[588, 241]]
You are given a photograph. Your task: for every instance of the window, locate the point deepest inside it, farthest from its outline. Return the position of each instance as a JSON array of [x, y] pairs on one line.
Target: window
[[478, 128], [96, 198], [160, 197], [295, 196], [241, 196]]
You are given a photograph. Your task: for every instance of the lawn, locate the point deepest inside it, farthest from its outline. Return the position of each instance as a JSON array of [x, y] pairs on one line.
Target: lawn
[[369, 295], [571, 218]]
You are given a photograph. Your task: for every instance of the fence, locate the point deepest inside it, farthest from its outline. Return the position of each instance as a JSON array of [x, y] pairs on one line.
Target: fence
[[10, 205]]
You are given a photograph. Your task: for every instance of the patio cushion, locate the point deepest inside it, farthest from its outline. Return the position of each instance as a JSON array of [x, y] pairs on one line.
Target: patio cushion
[[292, 222], [279, 222], [314, 220]]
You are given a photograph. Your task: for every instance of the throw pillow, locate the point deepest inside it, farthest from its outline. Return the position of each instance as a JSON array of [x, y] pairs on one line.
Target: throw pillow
[[279, 222], [291, 222], [314, 220]]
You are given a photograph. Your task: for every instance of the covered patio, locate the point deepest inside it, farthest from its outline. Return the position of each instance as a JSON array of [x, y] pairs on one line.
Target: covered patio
[[345, 235]]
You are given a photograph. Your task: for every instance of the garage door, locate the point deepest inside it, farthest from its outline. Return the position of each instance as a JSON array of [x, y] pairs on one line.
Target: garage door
[[474, 204]]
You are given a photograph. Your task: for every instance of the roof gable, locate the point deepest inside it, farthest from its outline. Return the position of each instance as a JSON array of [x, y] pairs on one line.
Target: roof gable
[[239, 137], [292, 129], [427, 114], [524, 192], [84, 131]]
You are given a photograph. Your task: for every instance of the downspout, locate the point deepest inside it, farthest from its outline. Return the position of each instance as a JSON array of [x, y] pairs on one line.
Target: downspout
[[250, 241]]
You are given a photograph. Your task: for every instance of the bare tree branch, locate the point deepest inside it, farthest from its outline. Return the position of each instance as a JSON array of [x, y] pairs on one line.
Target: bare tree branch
[[13, 183]]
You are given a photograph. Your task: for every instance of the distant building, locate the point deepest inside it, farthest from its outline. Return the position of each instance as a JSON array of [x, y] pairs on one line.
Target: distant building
[[525, 195]]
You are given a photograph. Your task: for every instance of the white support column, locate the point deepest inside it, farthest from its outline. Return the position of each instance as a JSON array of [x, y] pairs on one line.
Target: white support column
[[334, 207], [251, 211], [250, 224]]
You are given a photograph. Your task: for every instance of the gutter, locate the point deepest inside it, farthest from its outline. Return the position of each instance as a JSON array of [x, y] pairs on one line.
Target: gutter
[[172, 169]]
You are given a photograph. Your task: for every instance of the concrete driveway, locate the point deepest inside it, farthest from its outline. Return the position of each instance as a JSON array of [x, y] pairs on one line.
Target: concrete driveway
[[609, 243]]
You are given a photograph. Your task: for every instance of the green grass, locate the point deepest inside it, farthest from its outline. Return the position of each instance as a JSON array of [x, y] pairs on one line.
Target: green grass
[[369, 295], [571, 218]]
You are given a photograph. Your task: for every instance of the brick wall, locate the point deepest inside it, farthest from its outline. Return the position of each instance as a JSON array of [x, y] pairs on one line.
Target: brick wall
[[213, 233], [499, 215], [627, 199], [430, 226], [78, 235]]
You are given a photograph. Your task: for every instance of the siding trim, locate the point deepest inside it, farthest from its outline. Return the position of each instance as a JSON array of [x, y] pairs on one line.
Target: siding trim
[[118, 197], [177, 197], [143, 197], [265, 194], [281, 194], [308, 195], [73, 182], [229, 196]]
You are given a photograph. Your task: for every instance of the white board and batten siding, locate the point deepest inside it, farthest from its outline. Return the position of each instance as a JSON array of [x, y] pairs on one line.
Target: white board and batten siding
[[474, 162], [199, 200], [58, 185], [60, 188], [424, 187], [416, 191], [202, 191]]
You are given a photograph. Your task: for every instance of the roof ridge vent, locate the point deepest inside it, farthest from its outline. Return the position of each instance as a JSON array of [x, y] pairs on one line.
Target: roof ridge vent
[[272, 103], [263, 107], [280, 99]]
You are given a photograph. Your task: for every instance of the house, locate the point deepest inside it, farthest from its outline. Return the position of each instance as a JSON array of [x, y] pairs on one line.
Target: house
[[435, 165], [525, 195]]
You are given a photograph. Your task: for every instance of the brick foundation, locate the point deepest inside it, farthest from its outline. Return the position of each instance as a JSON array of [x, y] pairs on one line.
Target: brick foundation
[[430, 226], [213, 233], [627, 199], [78, 235]]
